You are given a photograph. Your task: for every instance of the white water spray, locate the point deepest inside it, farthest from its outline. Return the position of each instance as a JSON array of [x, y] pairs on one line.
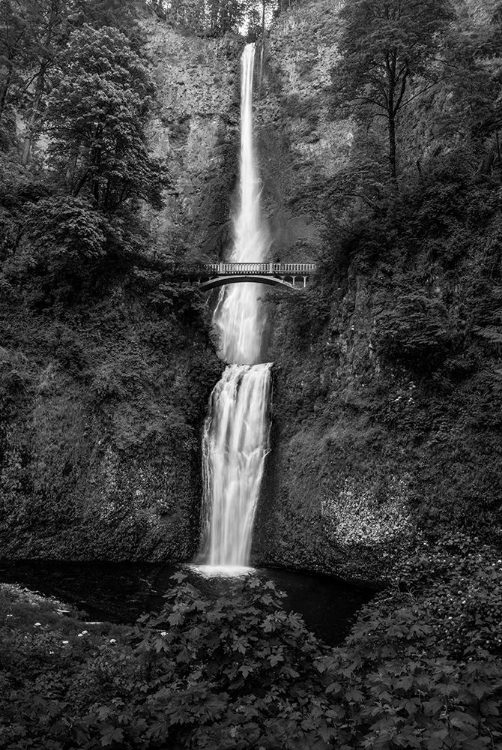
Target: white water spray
[[239, 318], [235, 445], [235, 441]]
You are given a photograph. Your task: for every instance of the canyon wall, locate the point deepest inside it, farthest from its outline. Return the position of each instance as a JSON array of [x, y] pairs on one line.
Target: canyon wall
[[382, 418], [382, 423], [101, 407], [196, 129]]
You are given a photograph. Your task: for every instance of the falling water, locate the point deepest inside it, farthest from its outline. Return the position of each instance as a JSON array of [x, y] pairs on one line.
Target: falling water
[[238, 318], [235, 439], [235, 444]]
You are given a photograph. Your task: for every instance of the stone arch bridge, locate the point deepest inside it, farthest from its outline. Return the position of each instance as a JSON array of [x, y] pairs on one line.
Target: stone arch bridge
[[211, 275]]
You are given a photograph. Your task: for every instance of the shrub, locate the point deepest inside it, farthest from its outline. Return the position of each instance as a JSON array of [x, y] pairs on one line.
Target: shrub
[[422, 667], [416, 332], [226, 667]]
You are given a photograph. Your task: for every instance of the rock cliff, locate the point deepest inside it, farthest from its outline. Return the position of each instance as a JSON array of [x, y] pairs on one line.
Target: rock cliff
[[382, 425], [196, 128], [380, 419]]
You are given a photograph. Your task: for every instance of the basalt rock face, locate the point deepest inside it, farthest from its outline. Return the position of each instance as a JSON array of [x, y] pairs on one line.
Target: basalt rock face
[[196, 128], [340, 479], [301, 146], [101, 414], [320, 510]]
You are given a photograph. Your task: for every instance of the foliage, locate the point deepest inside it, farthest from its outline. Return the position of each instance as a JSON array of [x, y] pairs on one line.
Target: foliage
[[95, 117], [473, 80], [67, 228], [101, 401], [384, 45], [121, 14], [30, 41], [217, 17], [307, 312], [225, 666], [41, 654], [419, 668], [241, 671], [416, 331], [214, 18]]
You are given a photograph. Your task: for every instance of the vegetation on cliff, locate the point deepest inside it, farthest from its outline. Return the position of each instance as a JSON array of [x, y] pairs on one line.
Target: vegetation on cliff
[[217, 17], [387, 460], [105, 364], [389, 375]]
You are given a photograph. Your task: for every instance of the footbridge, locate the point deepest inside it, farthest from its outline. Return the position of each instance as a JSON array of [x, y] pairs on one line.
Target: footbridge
[[211, 275]]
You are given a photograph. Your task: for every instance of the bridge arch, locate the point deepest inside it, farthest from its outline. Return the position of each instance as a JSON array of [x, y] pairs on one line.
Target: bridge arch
[[217, 281]]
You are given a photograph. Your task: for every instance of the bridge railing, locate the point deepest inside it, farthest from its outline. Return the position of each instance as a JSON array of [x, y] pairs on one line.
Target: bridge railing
[[223, 269], [248, 269]]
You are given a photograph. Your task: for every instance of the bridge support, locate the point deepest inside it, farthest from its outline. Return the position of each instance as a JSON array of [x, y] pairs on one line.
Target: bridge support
[[206, 286], [210, 275]]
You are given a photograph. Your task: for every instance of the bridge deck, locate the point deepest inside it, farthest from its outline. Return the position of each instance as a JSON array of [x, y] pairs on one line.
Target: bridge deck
[[210, 275], [269, 269]]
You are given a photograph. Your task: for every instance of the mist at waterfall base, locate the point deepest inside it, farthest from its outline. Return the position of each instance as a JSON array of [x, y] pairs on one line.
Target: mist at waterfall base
[[122, 592]]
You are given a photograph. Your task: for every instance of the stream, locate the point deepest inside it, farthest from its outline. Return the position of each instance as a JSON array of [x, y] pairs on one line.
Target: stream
[[121, 592]]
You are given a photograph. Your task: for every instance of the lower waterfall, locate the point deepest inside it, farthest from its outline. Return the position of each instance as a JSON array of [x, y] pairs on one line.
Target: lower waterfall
[[234, 447]]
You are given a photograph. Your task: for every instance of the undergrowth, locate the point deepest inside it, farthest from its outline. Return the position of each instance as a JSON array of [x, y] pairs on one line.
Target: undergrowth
[[422, 668]]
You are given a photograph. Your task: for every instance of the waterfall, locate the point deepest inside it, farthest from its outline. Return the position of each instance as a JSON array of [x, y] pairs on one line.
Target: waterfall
[[235, 441], [238, 319], [234, 448]]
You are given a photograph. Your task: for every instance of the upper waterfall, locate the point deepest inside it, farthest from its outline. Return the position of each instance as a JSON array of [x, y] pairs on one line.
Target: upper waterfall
[[239, 319]]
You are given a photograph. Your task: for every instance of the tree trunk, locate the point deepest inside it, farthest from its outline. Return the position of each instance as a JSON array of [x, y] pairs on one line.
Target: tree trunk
[[3, 93], [30, 127], [391, 70], [54, 19], [392, 146]]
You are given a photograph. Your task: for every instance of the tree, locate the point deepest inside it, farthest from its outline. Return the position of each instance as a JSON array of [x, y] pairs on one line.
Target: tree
[[385, 44], [96, 116], [13, 47], [223, 15], [216, 17], [121, 14], [47, 25]]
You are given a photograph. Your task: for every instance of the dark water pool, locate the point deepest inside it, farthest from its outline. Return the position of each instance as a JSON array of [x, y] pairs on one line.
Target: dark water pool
[[121, 592]]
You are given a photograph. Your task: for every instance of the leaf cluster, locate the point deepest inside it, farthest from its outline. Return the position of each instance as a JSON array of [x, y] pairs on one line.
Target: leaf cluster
[[417, 332], [230, 668], [96, 117], [383, 44]]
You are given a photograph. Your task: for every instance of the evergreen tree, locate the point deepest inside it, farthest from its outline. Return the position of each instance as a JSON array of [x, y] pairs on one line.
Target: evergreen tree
[[14, 48], [49, 28], [474, 69], [384, 45], [207, 17], [96, 115], [121, 14], [32, 34]]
